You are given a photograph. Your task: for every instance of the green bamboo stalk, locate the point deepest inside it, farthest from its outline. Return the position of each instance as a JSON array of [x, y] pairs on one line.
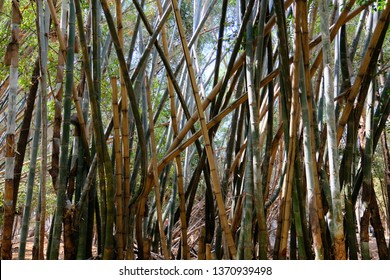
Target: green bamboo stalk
[[336, 223], [44, 20], [291, 142], [25, 129], [245, 245], [36, 226], [101, 145], [309, 170], [30, 181], [285, 83], [220, 41], [96, 80], [367, 166], [254, 136], [298, 223], [65, 136], [347, 160], [130, 92], [61, 30]]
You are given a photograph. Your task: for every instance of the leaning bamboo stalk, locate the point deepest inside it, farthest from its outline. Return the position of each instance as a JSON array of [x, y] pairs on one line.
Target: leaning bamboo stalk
[[179, 168], [382, 23], [156, 181], [209, 150], [189, 124], [177, 146]]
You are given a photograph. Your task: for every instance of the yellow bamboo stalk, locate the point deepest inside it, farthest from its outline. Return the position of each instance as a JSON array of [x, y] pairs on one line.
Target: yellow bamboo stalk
[[118, 170], [306, 61], [209, 150], [155, 173], [208, 252], [384, 18], [294, 114], [179, 168], [80, 117], [201, 245], [124, 124]]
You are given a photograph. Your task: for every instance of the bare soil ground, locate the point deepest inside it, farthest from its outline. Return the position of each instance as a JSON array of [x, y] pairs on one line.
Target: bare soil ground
[[30, 243]]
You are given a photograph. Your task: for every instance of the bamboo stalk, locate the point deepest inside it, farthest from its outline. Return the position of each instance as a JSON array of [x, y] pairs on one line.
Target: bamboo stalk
[[383, 24], [312, 182], [179, 169], [209, 150], [44, 20], [118, 171], [125, 151], [62, 179], [254, 154], [337, 229], [30, 181], [156, 182], [130, 93]]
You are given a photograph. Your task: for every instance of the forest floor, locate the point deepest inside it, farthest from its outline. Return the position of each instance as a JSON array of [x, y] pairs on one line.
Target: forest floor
[[30, 243]]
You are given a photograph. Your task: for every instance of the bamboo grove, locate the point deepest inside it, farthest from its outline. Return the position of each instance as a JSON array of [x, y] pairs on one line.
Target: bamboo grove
[[202, 129]]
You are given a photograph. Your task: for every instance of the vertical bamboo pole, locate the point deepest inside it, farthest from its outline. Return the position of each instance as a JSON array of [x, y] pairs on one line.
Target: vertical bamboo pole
[[118, 171], [44, 17], [125, 188], [61, 29], [155, 173], [62, 179], [30, 178], [254, 164], [337, 228], [312, 181]]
